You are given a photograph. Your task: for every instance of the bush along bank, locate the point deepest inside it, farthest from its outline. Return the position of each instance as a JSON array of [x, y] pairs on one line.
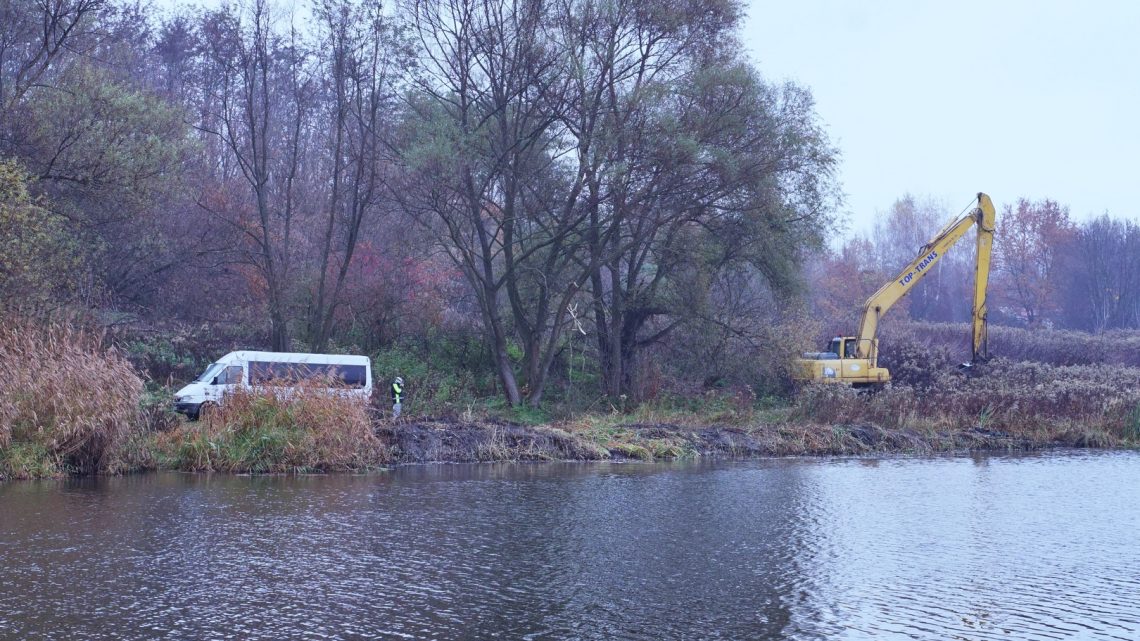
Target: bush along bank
[[310, 430], [68, 405]]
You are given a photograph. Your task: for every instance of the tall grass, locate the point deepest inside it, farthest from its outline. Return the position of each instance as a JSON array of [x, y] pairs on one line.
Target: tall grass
[[1043, 384], [1050, 346], [1023, 399], [254, 431], [68, 405]]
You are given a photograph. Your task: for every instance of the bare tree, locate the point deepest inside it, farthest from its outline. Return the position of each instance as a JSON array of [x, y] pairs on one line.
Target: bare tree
[[899, 235], [259, 87], [1102, 290], [482, 160], [1027, 245], [362, 62]]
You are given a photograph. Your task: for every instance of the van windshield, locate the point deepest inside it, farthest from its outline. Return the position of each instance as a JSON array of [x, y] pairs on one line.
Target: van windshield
[[210, 373]]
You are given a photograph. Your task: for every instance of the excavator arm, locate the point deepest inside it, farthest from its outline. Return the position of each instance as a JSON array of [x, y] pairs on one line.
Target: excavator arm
[[855, 359], [881, 301], [980, 350]]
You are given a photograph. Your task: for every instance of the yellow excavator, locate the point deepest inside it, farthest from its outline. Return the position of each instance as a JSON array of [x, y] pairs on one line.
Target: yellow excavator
[[854, 360]]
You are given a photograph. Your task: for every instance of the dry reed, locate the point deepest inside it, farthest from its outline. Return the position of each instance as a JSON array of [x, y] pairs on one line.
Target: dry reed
[[1044, 387], [68, 405], [310, 429]]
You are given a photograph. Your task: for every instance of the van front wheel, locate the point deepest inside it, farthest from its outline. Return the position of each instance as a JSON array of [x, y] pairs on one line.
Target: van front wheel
[[207, 411]]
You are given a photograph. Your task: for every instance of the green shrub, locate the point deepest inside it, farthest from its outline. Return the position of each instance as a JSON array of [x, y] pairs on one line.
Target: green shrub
[[39, 255], [28, 460], [177, 352], [442, 376]]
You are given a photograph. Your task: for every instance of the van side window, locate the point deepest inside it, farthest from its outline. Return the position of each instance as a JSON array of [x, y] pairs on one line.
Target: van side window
[[230, 376], [287, 374], [353, 375]]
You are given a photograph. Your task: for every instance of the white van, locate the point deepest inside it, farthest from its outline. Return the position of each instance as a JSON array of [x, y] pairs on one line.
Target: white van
[[275, 371]]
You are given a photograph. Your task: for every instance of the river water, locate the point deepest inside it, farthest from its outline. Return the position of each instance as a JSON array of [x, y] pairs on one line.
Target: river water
[[1028, 547]]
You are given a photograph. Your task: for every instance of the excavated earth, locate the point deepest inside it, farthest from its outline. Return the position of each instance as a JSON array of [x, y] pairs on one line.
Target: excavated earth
[[450, 440]]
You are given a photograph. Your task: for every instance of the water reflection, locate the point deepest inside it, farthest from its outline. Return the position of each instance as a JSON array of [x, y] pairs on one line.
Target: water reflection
[[973, 548]]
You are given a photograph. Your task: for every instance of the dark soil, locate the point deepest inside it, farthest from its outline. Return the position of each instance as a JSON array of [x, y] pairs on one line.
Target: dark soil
[[450, 440]]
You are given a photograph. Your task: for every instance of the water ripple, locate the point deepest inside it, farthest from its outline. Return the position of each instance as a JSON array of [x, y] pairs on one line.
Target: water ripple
[[1035, 547]]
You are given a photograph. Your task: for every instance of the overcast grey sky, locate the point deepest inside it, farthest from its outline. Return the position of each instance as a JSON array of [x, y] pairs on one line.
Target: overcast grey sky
[[948, 98]]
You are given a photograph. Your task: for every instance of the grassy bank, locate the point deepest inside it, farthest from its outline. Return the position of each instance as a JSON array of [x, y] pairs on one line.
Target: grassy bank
[[283, 440], [310, 431], [71, 405], [258, 434]]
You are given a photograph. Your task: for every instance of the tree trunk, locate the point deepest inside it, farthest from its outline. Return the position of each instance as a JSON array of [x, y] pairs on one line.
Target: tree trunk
[[503, 362]]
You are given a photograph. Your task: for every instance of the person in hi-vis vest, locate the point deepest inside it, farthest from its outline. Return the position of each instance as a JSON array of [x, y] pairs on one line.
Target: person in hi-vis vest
[[397, 396]]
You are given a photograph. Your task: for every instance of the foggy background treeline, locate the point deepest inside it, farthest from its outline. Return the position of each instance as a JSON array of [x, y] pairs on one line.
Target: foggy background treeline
[[581, 194]]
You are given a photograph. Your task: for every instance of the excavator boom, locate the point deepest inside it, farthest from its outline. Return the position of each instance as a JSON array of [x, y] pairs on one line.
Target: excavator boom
[[855, 358], [929, 256]]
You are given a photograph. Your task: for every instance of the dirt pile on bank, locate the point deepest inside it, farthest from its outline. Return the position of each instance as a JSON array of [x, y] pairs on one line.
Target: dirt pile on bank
[[448, 440], [838, 440]]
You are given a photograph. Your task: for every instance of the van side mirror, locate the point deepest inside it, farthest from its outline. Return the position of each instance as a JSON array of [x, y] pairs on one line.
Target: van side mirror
[[215, 381]]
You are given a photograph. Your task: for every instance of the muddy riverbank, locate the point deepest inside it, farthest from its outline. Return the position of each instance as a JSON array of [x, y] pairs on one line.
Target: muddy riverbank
[[296, 442], [453, 441]]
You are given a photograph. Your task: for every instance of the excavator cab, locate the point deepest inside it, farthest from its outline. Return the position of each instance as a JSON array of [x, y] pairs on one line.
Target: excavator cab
[[842, 347], [841, 363]]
